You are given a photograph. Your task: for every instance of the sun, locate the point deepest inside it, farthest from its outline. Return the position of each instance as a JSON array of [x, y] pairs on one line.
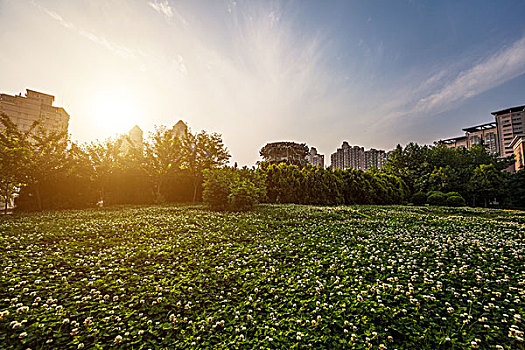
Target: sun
[[114, 111]]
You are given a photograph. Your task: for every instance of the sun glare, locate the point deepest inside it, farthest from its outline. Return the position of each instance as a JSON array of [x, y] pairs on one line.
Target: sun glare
[[114, 112]]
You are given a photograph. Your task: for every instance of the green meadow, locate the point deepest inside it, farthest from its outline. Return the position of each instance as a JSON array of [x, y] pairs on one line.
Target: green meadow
[[279, 277]]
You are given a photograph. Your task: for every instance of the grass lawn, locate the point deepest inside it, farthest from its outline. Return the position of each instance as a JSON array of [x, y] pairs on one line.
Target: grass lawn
[[283, 276]]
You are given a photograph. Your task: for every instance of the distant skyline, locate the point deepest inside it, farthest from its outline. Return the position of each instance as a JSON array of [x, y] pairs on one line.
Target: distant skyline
[[373, 73]]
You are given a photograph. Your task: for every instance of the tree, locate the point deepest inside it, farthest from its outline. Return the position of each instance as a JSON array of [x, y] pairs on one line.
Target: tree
[[15, 152], [290, 153], [202, 151], [162, 157], [104, 159], [233, 188], [485, 183], [49, 158]]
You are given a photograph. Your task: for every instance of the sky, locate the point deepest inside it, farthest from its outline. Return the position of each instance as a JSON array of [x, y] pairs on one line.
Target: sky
[[372, 73]]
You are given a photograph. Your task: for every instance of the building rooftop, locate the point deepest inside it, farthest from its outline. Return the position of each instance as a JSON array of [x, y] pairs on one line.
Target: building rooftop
[[38, 93], [509, 110], [480, 127], [453, 139]]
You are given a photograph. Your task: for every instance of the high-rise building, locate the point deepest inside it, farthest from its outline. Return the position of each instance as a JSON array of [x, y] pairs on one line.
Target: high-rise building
[[315, 158], [34, 106], [510, 123], [485, 134], [356, 157], [374, 158], [455, 142], [180, 128], [133, 139]]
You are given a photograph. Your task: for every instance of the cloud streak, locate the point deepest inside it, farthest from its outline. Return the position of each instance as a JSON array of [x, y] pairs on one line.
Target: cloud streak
[[445, 90], [493, 71], [117, 49], [162, 7]]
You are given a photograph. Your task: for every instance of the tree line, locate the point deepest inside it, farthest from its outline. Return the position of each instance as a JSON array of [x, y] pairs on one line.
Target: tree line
[[44, 169], [434, 175], [238, 189], [475, 174]]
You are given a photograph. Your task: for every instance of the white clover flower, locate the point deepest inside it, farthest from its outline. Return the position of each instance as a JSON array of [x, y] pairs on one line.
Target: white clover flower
[[118, 339]]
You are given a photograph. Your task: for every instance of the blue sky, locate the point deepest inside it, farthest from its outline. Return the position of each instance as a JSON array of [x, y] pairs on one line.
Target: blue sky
[[373, 73]]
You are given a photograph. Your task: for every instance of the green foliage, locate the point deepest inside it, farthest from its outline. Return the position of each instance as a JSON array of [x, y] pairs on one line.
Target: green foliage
[[290, 153], [233, 189], [216, 186], [514, 185], [202, 151], [15, 152], [453, 194], [280, 277], [55, 173], [455, 201], [485, 183], [437, 198], [419, 198], [315, 185], [243, 195], [438, 168], [161, 159]]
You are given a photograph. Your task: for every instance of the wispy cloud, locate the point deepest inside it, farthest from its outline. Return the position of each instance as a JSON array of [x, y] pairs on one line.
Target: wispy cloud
[[447, 88], [495, 70], [117, 49], [162, 7]]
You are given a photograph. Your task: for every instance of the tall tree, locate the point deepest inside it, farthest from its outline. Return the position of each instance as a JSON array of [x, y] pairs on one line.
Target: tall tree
[[485, 183], [15, 152], [49, 158], [104, 159], [162, 157], [202, 151]]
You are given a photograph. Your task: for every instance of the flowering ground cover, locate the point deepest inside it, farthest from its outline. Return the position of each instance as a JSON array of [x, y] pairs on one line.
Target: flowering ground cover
[[280, 277]]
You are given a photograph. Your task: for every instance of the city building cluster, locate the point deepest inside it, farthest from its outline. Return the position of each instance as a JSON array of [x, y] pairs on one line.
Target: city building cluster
[[356, 157], [504, 136]]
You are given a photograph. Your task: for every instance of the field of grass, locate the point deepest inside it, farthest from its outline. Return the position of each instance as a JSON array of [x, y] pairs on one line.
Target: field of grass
[[280, 277]]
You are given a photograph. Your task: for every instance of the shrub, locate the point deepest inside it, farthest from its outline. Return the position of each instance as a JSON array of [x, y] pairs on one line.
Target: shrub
[[437, 198], [216, 188], [456, 201], [243, 196], [453, 194], [419, 198], [232, 189]]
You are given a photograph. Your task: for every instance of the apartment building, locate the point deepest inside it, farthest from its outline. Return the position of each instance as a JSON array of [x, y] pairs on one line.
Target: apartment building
[[510, 124], [133, 139], [34, 106], [315, 158], [357, 158], [483, 134], [374, 158], [455, 142]]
